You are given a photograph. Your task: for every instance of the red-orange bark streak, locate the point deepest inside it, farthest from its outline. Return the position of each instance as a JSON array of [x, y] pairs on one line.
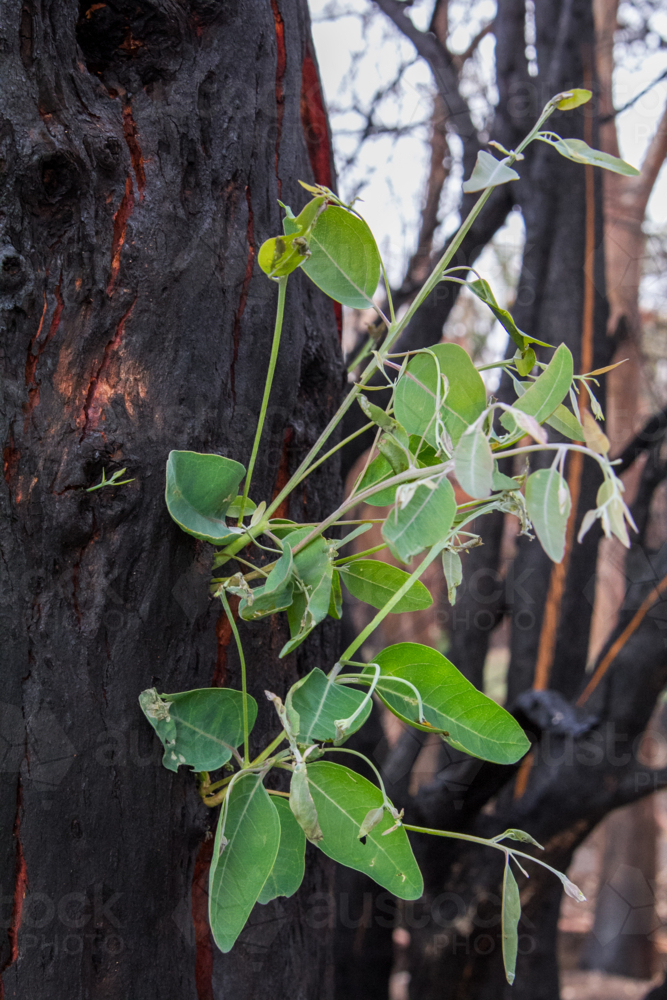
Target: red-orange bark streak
[[281, 65], [10, 462], [315, 127], [223, 632], [20, 887], [37, 347], [204, 949], [92, 409], [131, 134], [243, 298], [124, 212]]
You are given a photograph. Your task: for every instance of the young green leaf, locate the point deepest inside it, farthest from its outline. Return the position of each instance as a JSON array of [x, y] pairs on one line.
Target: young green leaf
[[199, 490], [243, 857], [344, 259], [574, 99], [424, 520], [482, 289], [343, 800], [199, 728], [489, 172], [502, 482], [543, 396], [302, 805], [415, 398], [276, 594], [336, 599], [565, 423], [453, 570], [234, 508], [378, 470], [581, 152], [548, 502], [473, 463], [511, 914], [452, 706], [288, 869], [526, 363], [281, 255], [374, 582], [310, 605], [321, 703], [520, 835]]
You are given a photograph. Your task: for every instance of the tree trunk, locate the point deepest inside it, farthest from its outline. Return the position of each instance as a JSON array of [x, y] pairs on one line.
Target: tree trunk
[[144, 147]]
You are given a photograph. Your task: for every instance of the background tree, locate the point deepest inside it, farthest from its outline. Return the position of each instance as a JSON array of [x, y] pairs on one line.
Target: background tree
[[144, 147], [577, 772]]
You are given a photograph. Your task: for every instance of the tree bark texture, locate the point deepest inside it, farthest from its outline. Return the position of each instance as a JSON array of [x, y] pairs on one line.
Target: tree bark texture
[[144, 147]]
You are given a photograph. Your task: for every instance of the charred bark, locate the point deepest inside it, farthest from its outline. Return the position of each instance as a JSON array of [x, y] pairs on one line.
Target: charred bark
[[144, 147]]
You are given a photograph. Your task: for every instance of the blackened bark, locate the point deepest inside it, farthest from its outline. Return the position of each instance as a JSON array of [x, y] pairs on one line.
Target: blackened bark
[[144, 147]]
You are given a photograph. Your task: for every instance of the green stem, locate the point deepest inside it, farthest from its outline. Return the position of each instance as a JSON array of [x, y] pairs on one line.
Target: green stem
[[393, 600], [269, 750], [244, 689], [282, 287], [360, 555]]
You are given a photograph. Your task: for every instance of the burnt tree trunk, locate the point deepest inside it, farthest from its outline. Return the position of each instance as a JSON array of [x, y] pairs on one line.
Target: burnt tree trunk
[[144, 146]]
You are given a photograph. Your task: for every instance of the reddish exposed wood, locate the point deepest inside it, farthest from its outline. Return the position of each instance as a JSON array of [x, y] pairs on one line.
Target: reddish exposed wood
[[124, 212], [203, 944], [131, 135], [96, 397], [223, 633], [281, 65], [243, 298]]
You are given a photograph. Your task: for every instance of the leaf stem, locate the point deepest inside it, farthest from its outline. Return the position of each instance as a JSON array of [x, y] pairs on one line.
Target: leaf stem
[[244, 688], [393, 600], [282, 288]]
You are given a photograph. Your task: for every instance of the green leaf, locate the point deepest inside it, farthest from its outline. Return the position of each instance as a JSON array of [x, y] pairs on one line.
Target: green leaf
[[287, 873], [520, 835], [302, 805], [565, 422], [344, 259], [580, 152], [374, 582], [234, 508], [425, 520], [488, 172], [548, 502], [503, 482], [276, 594], [453, 570], [336, 599], [199, 490], [321, 703], [511, 914], [451, 704], [281, 255], [414, 402], [482, 289], [199, 727], [314, 568], [473, 463], [526, 363], [343, 799], [574, 98], [543, 396], [378, 470], [243, 857]]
